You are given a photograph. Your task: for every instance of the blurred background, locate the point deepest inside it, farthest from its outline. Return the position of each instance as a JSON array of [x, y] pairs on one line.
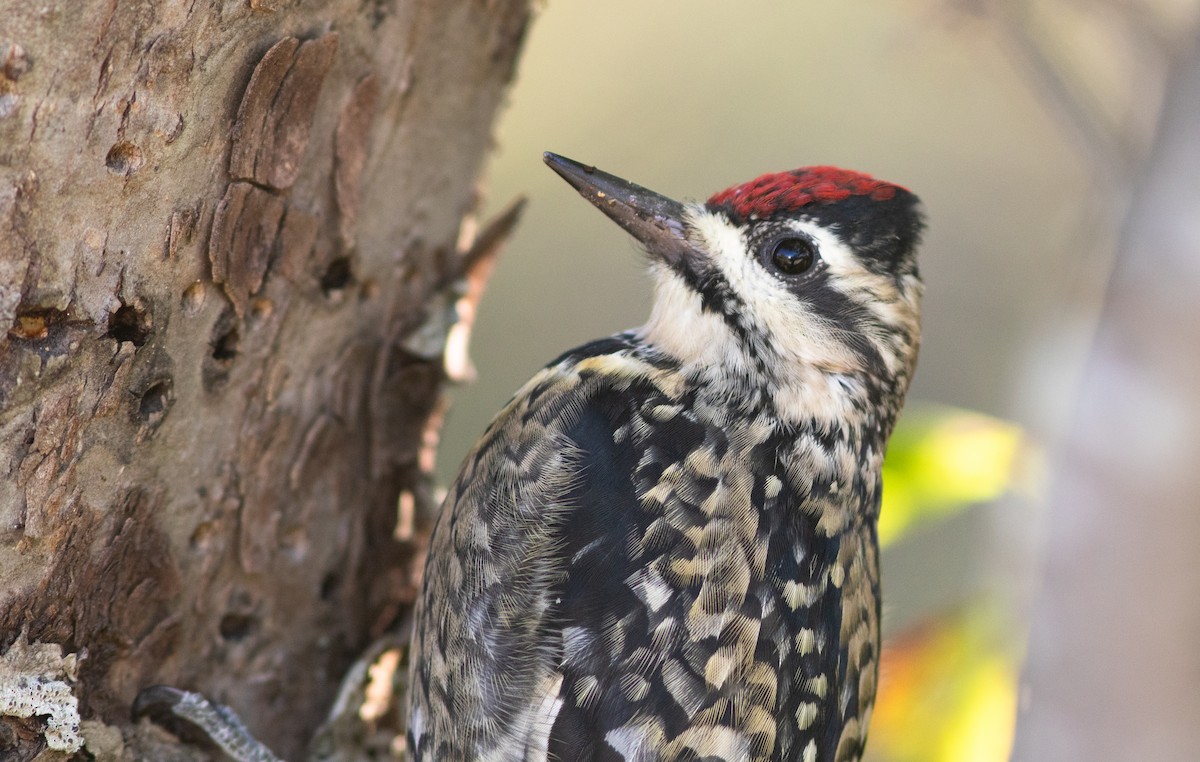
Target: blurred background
[[1029, 129]]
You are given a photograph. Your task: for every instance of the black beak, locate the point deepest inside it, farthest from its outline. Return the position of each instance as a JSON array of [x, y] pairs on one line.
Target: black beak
[[653, 219]]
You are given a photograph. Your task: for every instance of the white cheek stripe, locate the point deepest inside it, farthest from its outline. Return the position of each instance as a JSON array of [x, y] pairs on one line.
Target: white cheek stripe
[[797, 334]]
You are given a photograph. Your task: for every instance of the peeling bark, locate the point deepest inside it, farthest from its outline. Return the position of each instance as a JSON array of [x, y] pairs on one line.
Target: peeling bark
[[227, 270]]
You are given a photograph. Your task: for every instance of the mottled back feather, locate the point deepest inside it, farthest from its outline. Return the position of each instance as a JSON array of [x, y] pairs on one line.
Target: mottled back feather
[[644, 578]]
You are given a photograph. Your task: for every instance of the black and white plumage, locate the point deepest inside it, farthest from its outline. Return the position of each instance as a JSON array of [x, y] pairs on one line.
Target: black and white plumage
[[664, 547]]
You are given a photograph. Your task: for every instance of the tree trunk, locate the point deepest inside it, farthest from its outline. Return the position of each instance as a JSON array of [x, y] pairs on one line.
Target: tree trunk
[[1114, 669], [228, 237]]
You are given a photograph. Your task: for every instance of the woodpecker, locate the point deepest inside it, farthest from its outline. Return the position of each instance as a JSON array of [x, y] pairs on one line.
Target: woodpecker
[[664, 547]]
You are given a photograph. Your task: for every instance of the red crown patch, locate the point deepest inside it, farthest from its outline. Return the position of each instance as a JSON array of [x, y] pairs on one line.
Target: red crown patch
[[788, 191]]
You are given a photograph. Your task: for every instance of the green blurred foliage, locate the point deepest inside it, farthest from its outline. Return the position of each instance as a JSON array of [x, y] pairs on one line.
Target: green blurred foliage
[[941, 460]]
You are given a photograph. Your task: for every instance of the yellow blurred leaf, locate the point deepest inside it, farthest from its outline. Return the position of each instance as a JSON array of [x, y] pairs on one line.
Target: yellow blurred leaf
[[948, 692]]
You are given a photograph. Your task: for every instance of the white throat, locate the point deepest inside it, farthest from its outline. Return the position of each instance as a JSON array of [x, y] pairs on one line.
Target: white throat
[[707, 349], [680, 327]]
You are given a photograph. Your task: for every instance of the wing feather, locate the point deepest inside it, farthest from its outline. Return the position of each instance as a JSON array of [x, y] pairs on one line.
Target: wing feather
[[522, 519]]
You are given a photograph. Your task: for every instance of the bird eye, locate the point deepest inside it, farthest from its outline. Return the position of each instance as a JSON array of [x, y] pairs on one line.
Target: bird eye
[[792, 256]]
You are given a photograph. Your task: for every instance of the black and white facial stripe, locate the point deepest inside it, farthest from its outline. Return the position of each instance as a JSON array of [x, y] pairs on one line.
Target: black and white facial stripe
[[849, 313]]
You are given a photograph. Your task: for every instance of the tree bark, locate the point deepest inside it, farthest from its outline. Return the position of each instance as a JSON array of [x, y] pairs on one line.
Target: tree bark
[[229, 234], [1114, 670]]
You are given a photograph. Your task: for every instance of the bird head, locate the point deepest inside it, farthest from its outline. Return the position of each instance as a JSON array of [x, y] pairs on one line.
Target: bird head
[[803, 283]]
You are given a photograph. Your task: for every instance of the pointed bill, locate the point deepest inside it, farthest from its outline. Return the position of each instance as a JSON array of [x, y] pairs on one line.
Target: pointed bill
[[653, 219]]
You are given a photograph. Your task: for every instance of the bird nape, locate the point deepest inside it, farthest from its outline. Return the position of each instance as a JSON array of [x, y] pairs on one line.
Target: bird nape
[[664, 547]]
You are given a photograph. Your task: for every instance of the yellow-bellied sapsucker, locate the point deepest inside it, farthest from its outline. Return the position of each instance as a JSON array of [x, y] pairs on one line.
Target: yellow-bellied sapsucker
[[664, 547]]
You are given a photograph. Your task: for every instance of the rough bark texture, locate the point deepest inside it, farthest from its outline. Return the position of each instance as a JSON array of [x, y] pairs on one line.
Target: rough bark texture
[[1114, 668], [226, 234]]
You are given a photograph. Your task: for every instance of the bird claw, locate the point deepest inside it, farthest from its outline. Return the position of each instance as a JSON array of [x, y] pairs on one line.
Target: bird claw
[[195, 719]]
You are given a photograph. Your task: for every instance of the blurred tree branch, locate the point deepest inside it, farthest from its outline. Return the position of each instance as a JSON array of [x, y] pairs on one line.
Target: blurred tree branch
[[1109, 93], [1112, 667], [1113, 661]]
